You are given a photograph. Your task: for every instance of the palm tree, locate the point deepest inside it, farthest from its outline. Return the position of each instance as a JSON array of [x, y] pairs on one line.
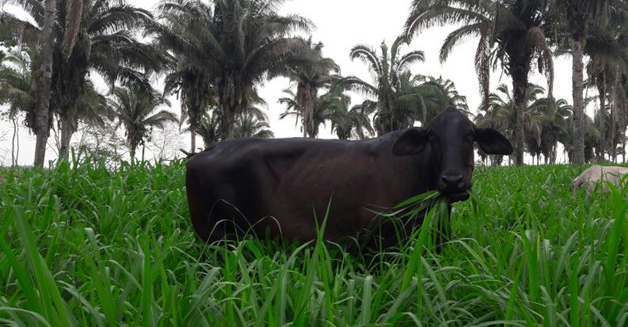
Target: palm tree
[[196, 94], [580, 18], [236, 42], [91, 35], [591, 137], [363, 128], [448, 88], [608, 52], [16, 31], [502, 115], [598, 70], [311, 73], [346, 122], [352, 123], [250, 125], [578, 14], [327, 107], [619, 112], [496, 117], [512, 32], [436, 94], [209, 128], [102, 39], [396, 109], [135, 110], [555, 121], [44, 81], [94, 108], [16, 83]]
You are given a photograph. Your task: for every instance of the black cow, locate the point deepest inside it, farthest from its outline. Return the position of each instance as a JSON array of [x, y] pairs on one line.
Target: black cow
[[277, 186]]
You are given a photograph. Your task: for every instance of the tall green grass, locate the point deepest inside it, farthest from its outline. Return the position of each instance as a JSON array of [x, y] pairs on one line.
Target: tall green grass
[[84, 246]]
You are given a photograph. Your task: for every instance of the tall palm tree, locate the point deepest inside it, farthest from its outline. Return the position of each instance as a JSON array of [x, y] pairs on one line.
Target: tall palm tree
[[101, 39], [607, 48], [92, 35], [135, 110], [598, 71], [16, 88], [579, 15], [619, 113], [196, 93], [236, 42], [311, 73], [44, 81], [396, 109], [512, 32]]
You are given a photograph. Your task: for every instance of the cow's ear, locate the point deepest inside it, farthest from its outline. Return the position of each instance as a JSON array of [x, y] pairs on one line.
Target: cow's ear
[[492, 141], [411, 142]]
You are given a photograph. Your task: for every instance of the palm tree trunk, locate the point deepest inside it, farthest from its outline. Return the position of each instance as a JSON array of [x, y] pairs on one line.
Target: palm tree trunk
[[617, 105], [520, 83], [67, 129], [15, 148], [193, 138], [309, 106], [613, 132], [601, 87], [578, 101], [44, 80], [228, 122], [132, 150]]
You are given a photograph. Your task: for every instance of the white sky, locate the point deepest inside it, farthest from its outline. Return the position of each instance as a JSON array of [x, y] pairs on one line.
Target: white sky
[[340, 25]]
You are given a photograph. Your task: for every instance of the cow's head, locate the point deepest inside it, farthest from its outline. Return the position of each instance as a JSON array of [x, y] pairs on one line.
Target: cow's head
[[450, 137]]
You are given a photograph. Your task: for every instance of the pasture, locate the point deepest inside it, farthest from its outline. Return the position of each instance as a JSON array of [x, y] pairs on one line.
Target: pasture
[[84, 246]]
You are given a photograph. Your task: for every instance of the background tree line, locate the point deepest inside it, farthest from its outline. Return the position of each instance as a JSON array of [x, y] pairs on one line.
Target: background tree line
[[214, 55]]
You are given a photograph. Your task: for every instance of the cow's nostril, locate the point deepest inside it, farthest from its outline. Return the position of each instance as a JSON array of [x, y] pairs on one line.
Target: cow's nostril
[[452, 179]]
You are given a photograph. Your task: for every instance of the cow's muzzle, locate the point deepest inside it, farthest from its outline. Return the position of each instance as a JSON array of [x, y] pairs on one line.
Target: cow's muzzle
[[455, 197], [454, 187]]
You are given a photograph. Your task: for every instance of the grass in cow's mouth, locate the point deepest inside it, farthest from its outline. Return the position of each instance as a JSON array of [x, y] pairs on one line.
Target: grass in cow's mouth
[[90, 247]]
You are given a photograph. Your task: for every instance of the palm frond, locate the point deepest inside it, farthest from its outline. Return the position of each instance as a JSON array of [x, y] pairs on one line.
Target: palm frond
[[368, 56]]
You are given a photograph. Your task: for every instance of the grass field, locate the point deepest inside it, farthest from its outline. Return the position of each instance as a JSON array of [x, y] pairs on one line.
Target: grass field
[[89, 247]]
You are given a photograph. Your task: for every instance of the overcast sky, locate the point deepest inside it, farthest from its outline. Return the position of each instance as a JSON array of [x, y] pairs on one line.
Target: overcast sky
[[340, 25]]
